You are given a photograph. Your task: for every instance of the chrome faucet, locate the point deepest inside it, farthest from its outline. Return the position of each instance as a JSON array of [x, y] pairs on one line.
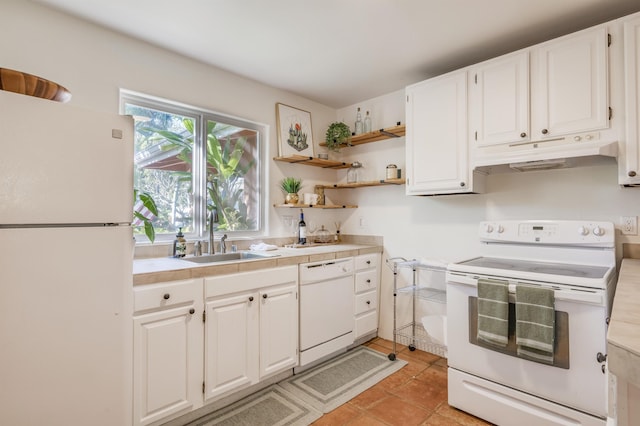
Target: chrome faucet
[[223, 246], [213, 219]]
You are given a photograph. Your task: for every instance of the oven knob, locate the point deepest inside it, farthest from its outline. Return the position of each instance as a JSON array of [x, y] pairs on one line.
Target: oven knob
[[488, 228], [583, 231], [598, 231], [500, 229]]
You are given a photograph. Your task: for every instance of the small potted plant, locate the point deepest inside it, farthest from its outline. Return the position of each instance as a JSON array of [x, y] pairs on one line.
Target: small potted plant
[[337, 134], [291, 186]]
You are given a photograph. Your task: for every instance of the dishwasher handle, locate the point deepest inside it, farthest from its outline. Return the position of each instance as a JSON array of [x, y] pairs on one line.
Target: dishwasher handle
[[320, 265], [325, 270]]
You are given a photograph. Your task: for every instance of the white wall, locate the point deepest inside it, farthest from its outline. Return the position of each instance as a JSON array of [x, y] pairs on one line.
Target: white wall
[[95, 63]]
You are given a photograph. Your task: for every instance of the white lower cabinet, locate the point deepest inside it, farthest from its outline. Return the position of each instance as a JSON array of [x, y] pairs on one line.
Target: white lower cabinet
[[367, 278], [278, 329], [231, 334], [251, 328], [168, 350], [198, 340]]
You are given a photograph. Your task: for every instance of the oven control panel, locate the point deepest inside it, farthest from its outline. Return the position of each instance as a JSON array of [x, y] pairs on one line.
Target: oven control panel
[[561, 232]]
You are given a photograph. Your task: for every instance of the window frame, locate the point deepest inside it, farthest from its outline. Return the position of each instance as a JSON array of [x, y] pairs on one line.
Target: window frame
[[199, 195]]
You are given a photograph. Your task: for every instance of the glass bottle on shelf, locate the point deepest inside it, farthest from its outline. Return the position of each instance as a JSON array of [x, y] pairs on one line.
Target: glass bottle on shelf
[[367, 123], [352, 173], [359, 124]]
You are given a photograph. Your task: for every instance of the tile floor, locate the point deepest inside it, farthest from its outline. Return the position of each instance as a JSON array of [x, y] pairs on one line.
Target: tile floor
[[414, 395]]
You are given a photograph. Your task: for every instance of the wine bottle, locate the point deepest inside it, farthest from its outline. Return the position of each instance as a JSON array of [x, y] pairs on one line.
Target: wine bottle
[[302, 229], [358, 122]]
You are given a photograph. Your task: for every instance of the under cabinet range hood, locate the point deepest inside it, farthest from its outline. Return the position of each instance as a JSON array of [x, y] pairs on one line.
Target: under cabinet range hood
[[570, 151]]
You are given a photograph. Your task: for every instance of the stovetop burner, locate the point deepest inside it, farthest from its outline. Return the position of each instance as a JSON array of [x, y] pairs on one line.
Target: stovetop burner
[[533, 267]]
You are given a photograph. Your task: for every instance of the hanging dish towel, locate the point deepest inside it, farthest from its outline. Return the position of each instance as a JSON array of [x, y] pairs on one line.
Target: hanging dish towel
[[535, 323], [493, 311]]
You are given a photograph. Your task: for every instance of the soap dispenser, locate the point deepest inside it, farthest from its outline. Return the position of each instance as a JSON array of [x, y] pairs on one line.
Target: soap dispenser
[[179, 244]]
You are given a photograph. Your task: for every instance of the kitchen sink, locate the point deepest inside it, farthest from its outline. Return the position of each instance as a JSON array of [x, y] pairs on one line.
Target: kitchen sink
[[226, 257]]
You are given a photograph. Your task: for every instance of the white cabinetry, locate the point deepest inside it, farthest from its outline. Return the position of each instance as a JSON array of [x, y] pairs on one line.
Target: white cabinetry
[[552, 96], [436, 136], [251, 329], [231, 360], [569, 84], [499, 100], [630, 168], [367, 278], [278, 328], [167, 349]]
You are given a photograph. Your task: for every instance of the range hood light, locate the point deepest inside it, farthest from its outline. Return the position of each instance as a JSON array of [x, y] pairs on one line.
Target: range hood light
[[525, 166]]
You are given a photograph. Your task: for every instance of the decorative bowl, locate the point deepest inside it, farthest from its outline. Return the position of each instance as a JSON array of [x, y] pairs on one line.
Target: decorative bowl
[[31, 85]]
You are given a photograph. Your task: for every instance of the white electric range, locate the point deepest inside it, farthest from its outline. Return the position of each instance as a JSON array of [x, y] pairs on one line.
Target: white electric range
[[577, 260]]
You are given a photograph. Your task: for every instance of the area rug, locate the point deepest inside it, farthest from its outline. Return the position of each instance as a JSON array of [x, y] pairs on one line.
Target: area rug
[[303, 398], [271, 406], [335, 382]]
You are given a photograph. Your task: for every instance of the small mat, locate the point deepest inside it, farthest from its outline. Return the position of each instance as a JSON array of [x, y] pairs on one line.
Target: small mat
[[335, 382], [269, 407]]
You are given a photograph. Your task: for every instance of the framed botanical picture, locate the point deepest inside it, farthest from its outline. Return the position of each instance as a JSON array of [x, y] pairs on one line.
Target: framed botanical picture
[[294, 131]]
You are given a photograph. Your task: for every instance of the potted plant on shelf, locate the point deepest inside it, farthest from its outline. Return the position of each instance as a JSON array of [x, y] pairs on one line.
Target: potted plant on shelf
[[291, 186], [337, 134]]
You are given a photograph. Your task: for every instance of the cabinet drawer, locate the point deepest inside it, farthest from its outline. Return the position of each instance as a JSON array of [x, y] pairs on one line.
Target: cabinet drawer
[[164, 295], [366, 323], [366, 261], [367, 280], [366, 302]]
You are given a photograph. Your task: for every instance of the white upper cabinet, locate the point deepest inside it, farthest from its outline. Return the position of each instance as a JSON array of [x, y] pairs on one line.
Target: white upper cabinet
[[546, 102], [569, 84], [629, 169], [436, 136], [499, 100]]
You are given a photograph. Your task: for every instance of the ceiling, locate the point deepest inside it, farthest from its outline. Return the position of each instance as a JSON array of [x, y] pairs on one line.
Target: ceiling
[[340, 52]]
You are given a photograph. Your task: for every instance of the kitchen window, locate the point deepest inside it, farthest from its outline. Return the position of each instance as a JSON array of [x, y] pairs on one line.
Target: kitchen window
[[192, 161]]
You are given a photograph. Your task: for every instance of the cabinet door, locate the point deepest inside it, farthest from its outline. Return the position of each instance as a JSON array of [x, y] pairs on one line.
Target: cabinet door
[[569, 85], [167, 363], [231, 344], [436, 135], [630, 168], [278, 329], [499, 100]]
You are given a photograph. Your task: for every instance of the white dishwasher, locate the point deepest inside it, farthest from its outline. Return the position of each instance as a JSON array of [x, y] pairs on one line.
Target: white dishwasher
[[326, 308]]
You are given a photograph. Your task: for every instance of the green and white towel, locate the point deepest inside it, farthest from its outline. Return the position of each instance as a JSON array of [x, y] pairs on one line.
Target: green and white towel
[[493, 311], [535, 323]]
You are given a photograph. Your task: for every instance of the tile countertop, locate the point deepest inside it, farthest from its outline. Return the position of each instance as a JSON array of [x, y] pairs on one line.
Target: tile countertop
[[623, 337], [154, 270]]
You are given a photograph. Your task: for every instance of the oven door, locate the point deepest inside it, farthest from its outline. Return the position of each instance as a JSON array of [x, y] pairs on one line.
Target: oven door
[[578, 382]]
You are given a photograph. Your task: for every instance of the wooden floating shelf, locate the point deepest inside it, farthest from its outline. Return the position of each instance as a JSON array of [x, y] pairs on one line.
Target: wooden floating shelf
[[376, 135], [312, 161], [315, 206], [363, 184]]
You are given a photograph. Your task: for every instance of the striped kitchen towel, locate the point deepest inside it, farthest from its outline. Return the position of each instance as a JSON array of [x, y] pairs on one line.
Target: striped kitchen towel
[[535, 323], [493, 311]]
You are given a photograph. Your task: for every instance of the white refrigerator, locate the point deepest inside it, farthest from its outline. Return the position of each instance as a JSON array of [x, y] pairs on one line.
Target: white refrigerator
[[66, 251]]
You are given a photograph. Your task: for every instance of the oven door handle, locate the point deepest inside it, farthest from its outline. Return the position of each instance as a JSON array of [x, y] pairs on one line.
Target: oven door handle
[[591, 296]]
